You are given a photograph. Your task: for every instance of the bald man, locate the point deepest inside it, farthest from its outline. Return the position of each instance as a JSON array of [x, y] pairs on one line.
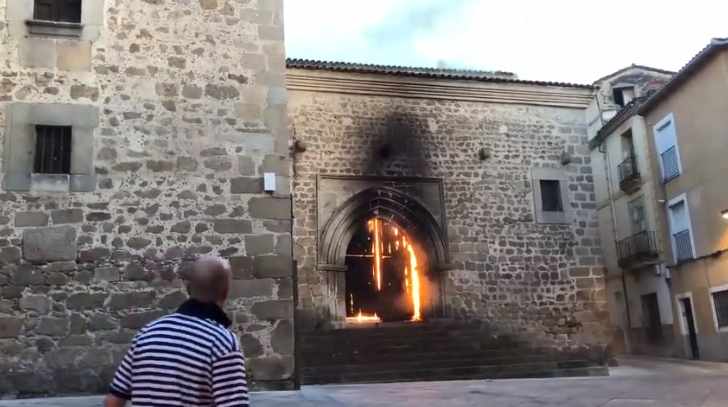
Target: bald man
[[189, 358]]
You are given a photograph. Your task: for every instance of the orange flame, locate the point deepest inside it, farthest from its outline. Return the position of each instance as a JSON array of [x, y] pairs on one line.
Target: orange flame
[[416, 314], [378, 254], [361, 318], [381, 245]]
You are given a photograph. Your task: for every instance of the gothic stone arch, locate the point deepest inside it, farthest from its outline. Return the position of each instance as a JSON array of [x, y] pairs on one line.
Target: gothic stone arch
[[390, 204]]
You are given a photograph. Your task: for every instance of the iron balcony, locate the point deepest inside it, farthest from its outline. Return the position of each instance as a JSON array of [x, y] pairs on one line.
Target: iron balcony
[[629, 175], [638, 249]]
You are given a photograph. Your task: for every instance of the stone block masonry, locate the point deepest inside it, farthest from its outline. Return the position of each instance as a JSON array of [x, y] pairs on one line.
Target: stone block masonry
[[543, 282], [188, 102]]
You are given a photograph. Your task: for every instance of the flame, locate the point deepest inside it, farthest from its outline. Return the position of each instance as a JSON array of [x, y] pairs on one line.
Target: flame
[[378, 253], [384, 236], [416, 313], [361, 318]]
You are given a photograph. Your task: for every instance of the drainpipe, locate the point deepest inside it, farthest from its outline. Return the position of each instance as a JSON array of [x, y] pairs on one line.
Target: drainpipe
[[602, 149], [297, 360]]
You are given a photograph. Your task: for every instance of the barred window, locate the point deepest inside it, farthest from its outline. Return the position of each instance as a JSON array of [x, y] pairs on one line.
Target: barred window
[[551, 196], [52, 150], [720, 299], [68, 11]]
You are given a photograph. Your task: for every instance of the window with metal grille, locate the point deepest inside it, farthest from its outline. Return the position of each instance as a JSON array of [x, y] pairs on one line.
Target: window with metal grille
[[720, 299], [551, 196], [67, 11], [52, 150]]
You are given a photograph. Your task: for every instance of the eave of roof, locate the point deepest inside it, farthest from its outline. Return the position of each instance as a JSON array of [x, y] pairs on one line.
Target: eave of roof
[[629, 110], [635, 66], [715, 46], [433, 73]]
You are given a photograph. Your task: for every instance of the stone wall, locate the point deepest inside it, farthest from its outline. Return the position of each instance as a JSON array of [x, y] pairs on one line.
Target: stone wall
[[542, 281], [190, 105]]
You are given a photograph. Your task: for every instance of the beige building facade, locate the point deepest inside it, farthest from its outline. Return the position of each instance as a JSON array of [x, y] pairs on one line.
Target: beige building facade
[[637, 282], [687, 124]]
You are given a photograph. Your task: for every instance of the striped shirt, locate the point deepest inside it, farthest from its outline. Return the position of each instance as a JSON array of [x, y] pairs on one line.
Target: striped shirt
[[189, 358]]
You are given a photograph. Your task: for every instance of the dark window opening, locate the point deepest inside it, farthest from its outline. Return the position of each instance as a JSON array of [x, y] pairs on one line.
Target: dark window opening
[[551, 196], [721, 308], [52, 150], [67, 11], [624, 95]]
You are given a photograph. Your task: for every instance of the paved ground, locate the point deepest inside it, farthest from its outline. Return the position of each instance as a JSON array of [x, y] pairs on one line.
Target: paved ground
[[636, 383]]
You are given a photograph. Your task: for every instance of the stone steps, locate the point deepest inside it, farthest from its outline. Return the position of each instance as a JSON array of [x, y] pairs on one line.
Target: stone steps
[[464, 372], [343, 357], [429, 363], [443, 350]]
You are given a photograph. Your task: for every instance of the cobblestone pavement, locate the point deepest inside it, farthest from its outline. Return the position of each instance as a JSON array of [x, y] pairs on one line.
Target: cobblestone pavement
[[638, 382]]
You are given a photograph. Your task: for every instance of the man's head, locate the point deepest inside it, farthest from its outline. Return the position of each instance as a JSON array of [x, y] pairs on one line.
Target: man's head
[[209, 280]]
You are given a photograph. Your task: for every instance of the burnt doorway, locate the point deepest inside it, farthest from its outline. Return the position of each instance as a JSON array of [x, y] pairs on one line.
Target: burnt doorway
[[386, 274]]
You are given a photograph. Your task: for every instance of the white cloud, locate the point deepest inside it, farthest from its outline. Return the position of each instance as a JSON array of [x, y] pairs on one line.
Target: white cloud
[[565, 40]]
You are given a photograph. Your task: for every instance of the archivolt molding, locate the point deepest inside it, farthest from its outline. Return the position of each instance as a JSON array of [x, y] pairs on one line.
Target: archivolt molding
[[386, 203]]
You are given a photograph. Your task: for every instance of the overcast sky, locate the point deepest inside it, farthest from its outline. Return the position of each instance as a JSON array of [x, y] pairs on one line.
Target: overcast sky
[[560, 40]]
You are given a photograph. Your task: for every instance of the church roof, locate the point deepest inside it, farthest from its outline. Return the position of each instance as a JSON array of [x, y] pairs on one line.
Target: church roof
[[434, 73]]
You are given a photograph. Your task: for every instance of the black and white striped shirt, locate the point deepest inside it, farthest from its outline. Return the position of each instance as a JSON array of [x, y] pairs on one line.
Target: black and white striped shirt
[[188, 358]]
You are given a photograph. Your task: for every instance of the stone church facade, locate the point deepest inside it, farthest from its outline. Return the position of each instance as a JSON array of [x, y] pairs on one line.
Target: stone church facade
[[137, 134], [482, 143]]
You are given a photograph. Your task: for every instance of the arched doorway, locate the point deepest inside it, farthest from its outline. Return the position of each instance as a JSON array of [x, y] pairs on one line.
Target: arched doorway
[[387, 277], [384, 253]]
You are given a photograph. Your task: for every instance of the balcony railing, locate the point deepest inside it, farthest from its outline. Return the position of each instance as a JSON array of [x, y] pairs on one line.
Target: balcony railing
[[683, 245], [629, 175], [639, 248], [670, 165]]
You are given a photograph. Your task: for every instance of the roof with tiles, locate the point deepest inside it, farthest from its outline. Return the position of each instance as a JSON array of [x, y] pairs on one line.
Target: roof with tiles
[[716, 45], [634, 66], [629, 110], [433, 73]]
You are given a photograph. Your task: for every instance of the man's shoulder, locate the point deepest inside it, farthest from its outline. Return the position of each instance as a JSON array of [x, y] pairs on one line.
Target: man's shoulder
[[197, 326]]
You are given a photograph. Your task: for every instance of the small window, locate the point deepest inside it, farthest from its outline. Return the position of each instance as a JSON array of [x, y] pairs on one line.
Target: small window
[[679, 218], [52, 150], [67, 11], [720, 299], [667, 148], [551, 196], [623, 95], [638, 220]]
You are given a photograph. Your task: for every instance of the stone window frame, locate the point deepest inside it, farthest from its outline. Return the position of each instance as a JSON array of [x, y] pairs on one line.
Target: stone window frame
[[20, 145], [547, 217], [22, 24]]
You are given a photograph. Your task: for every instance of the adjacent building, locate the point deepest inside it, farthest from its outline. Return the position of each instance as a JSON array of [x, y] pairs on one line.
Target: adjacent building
[[687, 124], [626, 188], [664, 226]]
